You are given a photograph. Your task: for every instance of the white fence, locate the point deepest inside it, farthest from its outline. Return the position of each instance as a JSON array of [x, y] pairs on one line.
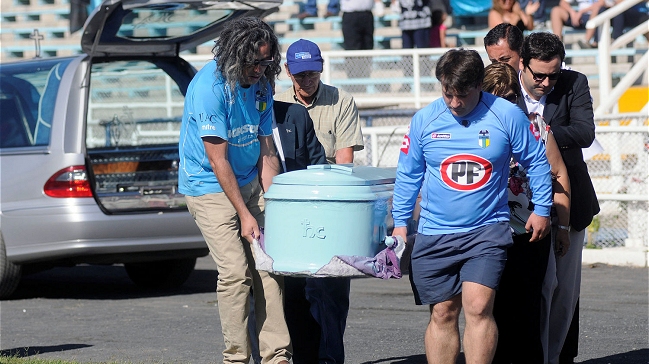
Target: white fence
[[405, 77]]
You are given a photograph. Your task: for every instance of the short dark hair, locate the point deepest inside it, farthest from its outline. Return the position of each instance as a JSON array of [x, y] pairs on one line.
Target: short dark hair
[[460, 70], [543, 46], [506, 31]]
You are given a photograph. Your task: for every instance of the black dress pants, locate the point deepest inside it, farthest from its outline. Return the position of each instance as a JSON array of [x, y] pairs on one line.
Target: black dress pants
[[517, 307], [303, 328], [358, 34]]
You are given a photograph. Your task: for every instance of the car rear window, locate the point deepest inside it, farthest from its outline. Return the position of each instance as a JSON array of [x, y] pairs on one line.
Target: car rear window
[[28, 93], [132, 103], [163, 21]]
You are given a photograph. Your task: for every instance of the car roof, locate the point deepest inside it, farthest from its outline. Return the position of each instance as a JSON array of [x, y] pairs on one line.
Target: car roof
[[162, 27]]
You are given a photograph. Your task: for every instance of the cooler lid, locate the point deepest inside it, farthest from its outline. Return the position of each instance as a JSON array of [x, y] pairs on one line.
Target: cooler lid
[[337, 175]]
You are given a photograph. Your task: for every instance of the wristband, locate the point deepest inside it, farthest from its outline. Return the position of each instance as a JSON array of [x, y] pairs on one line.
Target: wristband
[[563, 227]]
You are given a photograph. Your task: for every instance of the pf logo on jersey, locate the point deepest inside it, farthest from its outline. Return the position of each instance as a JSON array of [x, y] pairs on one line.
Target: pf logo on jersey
[[466, 172]]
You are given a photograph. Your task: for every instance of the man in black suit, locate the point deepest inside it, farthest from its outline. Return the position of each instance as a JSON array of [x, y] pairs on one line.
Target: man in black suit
[[294, 130], [563, 98]]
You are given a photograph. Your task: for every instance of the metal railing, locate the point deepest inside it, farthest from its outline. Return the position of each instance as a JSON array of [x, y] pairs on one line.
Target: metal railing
[[609, 96], [405, 77]]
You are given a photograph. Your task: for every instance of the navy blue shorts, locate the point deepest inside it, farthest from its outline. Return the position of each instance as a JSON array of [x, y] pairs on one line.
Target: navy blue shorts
[[440, 263], [582, 22]]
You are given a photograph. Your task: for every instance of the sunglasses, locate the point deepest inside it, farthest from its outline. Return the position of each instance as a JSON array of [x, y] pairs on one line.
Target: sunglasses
[[304, 75], [539, 77], [262, 62]]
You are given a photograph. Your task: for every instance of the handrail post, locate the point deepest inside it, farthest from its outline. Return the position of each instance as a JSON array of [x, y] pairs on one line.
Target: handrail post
[[374, 142], [604, 62]]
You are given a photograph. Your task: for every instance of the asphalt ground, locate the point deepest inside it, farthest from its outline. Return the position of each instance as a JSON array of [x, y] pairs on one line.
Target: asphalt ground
[[95, 314]]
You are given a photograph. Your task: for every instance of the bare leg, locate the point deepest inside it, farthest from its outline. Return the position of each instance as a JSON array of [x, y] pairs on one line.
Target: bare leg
[[480, 332], [442, 337], [590, 33], [557, 17]]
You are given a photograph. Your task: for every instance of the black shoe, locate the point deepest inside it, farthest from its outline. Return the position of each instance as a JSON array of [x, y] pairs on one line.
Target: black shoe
[[585, 45]]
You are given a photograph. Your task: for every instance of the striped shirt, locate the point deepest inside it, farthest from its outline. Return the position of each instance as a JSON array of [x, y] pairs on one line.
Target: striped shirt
[[335, 118], [414, 15]]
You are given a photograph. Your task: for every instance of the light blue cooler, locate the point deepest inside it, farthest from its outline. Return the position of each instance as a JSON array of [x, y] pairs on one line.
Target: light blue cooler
[[317, 213]]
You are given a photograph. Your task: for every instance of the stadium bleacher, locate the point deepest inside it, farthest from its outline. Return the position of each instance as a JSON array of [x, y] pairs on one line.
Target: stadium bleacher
[[19, 18]]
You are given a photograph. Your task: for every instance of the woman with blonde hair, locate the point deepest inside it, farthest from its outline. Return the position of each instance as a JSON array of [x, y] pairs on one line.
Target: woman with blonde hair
[[519, 304], [510, 11]]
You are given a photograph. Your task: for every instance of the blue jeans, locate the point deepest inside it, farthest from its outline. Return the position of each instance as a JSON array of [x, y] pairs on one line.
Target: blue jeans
[[311, 7], [412, 38], [628, 19], [325, 309], [329, 298]]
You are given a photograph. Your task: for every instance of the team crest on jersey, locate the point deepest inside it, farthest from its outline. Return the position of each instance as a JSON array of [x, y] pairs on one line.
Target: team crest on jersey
[[466, 172], [260, 101], [483, 138], [405, 144]]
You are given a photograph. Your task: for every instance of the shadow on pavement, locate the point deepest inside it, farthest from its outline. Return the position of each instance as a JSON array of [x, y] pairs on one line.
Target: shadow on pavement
[[102, 282], [414, 359], [632, 357], [35, 350]]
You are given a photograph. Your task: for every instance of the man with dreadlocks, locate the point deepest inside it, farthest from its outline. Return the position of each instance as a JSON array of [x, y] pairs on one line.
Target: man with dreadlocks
[[227, 160]]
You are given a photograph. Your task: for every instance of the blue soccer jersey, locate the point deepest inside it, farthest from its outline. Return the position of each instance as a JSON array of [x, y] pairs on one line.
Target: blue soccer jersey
[[213, 110], [461, 166]]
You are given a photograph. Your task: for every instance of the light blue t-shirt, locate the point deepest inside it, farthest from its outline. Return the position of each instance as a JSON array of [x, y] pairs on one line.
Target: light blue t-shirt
[[239, 117]]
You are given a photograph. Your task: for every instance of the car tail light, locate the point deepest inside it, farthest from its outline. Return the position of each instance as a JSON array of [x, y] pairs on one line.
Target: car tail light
[[69, 182]]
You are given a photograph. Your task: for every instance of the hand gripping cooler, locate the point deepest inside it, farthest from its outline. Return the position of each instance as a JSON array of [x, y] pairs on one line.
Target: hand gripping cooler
[[315, 214]]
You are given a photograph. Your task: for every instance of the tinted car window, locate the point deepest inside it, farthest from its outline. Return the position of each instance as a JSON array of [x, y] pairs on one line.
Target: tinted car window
[[28, 94], [178, 20], [132, 103]]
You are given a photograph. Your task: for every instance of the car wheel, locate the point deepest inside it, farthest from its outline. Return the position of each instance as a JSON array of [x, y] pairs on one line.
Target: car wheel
[[163, 274], [10, 273]]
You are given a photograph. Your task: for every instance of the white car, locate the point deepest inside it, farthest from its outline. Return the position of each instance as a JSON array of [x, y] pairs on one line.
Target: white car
[[89, 144]]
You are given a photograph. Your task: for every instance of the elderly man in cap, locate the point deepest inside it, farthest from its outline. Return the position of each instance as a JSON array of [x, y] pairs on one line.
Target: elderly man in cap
[[316, 308]]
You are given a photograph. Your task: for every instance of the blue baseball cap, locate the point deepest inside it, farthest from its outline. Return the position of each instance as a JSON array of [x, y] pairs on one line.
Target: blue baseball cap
[[304, 55]]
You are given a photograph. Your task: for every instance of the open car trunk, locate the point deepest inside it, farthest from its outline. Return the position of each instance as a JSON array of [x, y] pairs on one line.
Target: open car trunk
[[136, 93], [134, 114]]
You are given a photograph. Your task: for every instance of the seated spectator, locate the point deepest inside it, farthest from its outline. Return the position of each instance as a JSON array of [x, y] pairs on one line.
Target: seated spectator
[[510, 11], [539, 15], [438, 29], [564, 14]]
